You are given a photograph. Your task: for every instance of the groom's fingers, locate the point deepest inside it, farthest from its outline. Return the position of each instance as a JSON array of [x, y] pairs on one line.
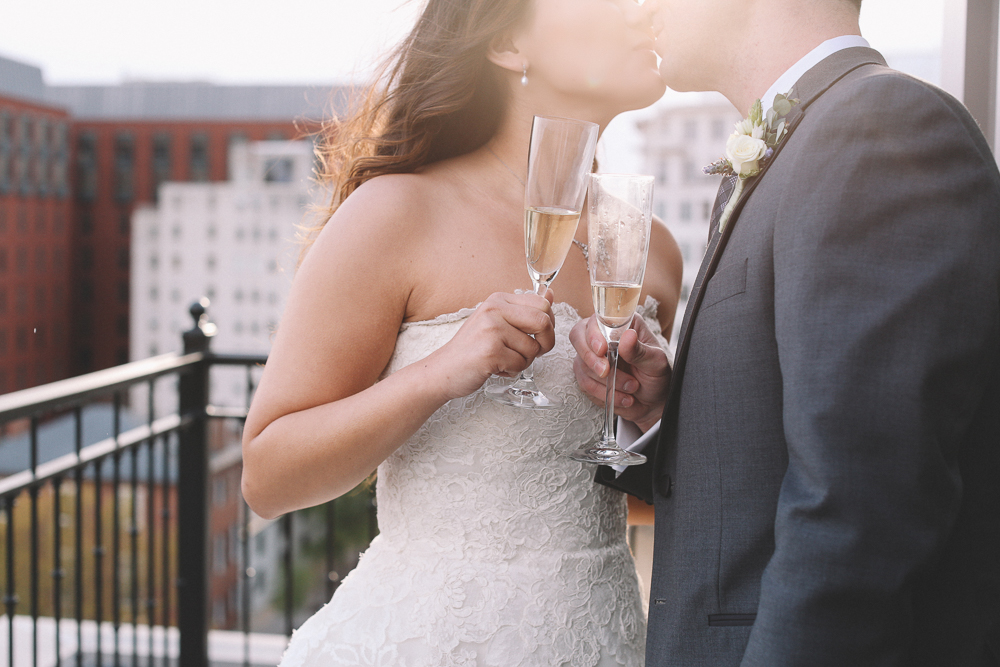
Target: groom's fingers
[[590, 346], [595, 388]]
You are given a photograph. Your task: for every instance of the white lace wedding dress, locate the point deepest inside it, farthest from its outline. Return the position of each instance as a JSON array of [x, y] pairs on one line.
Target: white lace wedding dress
[[494, 547]]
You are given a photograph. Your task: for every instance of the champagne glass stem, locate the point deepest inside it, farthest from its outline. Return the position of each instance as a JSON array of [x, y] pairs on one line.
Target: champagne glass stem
[[609, 396], [529, 373]]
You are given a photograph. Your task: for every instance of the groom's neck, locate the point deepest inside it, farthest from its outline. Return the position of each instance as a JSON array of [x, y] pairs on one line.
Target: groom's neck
[[778, 38]]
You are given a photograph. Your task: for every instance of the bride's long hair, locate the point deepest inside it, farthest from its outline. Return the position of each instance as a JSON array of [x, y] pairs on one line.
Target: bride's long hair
[[436, 96]]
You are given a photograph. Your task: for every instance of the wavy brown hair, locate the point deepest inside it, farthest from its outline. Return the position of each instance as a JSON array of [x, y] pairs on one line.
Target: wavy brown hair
[[436, 96]]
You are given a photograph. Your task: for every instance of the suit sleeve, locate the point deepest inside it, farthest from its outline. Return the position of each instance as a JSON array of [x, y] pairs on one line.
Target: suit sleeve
[[886, 314]]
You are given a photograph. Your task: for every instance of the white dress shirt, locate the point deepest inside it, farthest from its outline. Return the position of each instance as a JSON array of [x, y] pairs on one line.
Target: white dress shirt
[[629, 435]]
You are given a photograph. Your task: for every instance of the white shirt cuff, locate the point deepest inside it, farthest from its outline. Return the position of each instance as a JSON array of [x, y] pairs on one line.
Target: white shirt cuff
[[631, 438]]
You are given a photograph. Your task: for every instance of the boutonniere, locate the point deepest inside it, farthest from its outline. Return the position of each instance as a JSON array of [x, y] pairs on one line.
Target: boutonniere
[[750, 147]]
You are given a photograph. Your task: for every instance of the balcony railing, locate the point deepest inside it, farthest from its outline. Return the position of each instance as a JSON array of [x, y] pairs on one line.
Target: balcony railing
[[136, 548]]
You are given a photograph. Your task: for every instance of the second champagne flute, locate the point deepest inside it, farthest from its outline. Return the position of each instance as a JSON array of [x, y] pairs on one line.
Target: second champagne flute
[[560, 159], [621, 213]]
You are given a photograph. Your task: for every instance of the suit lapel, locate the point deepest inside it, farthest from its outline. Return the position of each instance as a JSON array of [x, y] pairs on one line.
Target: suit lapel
[[809, 87]]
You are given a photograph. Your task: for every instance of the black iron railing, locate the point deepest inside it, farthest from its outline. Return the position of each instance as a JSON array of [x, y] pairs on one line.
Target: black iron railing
[[136, 579]]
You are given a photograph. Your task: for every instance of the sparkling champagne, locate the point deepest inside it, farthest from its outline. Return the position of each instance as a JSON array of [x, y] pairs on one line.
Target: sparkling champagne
[[615, 303], [548, 234]]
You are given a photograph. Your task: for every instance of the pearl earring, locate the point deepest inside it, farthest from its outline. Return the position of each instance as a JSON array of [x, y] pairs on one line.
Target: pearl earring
[[524, 74]]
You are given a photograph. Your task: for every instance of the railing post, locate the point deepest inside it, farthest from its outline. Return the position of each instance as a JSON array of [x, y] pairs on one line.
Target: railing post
[[192, 498]]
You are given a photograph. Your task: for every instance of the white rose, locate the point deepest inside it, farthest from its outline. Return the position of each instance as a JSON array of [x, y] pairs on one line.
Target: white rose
[[743, 152]]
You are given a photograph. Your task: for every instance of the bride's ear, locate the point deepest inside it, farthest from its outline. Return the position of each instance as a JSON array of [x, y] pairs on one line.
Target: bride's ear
[[503, 53]]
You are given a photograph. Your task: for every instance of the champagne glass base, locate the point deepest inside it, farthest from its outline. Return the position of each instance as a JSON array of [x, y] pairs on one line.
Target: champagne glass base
[[521, 394], [607, 453]]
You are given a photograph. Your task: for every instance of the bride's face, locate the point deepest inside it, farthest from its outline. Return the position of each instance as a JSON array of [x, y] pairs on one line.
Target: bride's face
[[601, 51]]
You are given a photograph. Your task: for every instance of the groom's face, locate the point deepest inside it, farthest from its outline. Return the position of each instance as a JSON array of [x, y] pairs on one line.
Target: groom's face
[[693, 39]]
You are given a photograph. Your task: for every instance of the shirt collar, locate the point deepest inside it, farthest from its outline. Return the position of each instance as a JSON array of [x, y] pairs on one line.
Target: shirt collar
[[806, 63]]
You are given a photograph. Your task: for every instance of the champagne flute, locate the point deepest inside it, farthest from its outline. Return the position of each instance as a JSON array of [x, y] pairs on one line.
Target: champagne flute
[[560, 159], [620, 215]]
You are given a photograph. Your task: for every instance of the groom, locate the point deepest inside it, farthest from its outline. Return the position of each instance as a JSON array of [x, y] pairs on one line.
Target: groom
[[826, 475]]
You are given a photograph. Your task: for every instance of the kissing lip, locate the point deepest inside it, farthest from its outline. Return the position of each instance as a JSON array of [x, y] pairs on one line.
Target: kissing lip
[[648, 44]]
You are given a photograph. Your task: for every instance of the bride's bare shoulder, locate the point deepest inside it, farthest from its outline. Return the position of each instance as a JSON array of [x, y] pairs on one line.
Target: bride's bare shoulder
[[381, 213]]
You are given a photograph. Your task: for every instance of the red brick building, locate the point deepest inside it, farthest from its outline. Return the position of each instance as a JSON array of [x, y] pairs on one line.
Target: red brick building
[[75, 161], [35, 232]]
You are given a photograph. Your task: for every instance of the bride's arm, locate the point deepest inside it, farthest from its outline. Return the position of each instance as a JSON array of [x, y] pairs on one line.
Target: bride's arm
[[319, 423]]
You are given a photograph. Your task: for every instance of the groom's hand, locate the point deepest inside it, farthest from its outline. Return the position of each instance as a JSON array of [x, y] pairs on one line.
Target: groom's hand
[[643, 370]]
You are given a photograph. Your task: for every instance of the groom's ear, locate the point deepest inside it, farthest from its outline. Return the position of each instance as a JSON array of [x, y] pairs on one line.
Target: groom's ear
[[503, 52]]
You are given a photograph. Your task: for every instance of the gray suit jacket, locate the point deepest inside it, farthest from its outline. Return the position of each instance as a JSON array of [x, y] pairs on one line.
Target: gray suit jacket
[[827, 478]]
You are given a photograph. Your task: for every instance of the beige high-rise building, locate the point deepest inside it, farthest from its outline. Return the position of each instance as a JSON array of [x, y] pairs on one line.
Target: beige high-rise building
[[677, 143]]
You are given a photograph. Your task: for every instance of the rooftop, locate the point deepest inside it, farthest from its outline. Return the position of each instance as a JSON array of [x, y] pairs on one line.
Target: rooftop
[[174, 100]]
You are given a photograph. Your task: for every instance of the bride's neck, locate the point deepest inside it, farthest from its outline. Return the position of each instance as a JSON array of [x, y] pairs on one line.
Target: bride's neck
[[510, 143]]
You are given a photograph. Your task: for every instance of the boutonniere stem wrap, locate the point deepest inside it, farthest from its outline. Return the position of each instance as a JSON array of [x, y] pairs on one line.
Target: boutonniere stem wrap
[[750, 146]]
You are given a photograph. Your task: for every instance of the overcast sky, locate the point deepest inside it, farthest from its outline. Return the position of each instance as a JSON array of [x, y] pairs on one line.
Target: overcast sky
[[305, 41]]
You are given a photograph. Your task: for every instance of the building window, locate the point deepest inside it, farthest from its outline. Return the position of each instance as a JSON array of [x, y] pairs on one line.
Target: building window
[[718, 128], [86, 223], [23, 155], [690, 129], [6, 146], [238, 296], [123, 291], [198, 159], [161, 163], [661, 210], [124, 166], [123, 259], [210, 262], [40, 157], [685, 211], [175, 262], [706, 210], [690, 171], [86, 291], [176, 231], [154, 293], [60, 160], [86, 258], [124, 224], [40, 260], [3, 260], [86, 166], [122, 326], [154, 325], [175, 295], [211, 231], [154, 262], [278, 170]]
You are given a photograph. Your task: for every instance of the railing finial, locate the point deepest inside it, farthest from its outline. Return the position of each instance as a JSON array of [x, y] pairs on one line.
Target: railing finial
[[200, 335]]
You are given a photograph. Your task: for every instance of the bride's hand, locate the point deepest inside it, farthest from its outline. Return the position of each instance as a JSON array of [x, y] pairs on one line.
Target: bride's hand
[[643, 370], [495, 340]]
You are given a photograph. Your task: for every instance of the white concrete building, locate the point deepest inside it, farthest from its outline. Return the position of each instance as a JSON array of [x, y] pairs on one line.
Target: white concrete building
[[677, 143], [233, 242]]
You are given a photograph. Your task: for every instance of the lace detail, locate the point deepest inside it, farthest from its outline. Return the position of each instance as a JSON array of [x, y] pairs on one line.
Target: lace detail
[[494, 547]]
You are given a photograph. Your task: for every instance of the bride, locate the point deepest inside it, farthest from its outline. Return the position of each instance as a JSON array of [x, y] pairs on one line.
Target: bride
[[494, 547]]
